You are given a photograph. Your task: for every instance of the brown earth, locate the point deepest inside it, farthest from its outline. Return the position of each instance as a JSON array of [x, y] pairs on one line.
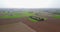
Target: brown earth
[[50, 25], [16, 27]]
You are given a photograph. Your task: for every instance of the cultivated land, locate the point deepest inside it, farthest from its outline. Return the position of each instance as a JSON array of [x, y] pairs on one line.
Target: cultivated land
[[16, 27], [52, 24]]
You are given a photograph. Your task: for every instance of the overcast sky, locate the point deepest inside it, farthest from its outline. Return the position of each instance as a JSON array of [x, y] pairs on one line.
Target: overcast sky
[[29, 3]]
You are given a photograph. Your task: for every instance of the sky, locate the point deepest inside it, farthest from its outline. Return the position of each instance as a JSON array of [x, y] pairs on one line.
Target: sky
[[29, 3]]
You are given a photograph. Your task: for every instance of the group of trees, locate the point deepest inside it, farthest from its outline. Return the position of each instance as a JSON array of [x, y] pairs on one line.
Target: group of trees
[[37, 18]]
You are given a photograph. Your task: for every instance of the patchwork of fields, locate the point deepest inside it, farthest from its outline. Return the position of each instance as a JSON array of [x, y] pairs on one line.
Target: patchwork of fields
[[50, 24]]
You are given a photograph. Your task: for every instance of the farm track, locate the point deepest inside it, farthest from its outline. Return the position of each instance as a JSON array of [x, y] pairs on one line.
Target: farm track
[[50, 25]]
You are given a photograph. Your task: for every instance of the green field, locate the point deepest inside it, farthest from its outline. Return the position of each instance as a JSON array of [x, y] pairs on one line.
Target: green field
[[16, 14], [56, 16], [26, 13]]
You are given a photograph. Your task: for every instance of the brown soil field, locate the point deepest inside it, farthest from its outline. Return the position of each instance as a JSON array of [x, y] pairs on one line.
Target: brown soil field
[[50, 25], [16, 27]]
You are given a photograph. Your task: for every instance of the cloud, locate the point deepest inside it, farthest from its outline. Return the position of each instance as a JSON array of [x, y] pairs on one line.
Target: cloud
[[28, 3]]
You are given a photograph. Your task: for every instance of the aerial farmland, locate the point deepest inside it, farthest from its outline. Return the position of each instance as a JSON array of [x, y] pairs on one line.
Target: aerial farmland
[[33, 20]]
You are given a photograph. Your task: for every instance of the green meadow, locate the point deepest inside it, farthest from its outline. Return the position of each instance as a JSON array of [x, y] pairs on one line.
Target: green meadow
[[16, 14], [56, 16]]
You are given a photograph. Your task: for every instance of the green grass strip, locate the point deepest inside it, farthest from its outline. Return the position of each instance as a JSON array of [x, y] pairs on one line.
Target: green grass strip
[[32, 20], [56, 16], [45, 18]]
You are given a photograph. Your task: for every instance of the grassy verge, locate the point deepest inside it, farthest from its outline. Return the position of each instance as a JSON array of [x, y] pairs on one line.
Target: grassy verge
[[32, 20], [17, 15]]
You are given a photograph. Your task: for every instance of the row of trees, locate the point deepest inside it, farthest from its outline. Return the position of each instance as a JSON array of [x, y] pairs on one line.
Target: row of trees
[[37, 18]]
